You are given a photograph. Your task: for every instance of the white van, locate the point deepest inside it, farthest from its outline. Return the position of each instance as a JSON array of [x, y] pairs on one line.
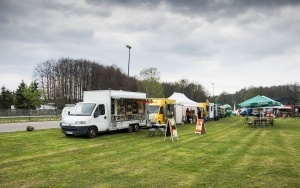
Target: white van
[[66, 111]]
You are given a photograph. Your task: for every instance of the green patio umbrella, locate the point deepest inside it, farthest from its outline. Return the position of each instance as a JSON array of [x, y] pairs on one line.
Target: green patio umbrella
[[259, 101]]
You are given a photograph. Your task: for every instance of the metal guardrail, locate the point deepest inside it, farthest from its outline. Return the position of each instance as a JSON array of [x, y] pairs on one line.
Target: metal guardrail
[[28, 118], [29, 112], [25, 115]]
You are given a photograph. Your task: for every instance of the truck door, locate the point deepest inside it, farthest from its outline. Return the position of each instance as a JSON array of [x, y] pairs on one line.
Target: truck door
[[161, 115], [100, 117]]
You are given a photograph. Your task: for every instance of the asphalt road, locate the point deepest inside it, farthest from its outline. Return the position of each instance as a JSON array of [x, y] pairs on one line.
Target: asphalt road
[[13, 127]]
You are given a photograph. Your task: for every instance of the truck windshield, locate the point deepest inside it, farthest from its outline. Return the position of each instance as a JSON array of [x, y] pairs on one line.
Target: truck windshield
[[153, 109], [83, 109]]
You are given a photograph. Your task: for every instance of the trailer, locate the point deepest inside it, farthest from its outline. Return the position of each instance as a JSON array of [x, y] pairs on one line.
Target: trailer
[[211, 113], [221, 111], [106, 110], [216, 112]]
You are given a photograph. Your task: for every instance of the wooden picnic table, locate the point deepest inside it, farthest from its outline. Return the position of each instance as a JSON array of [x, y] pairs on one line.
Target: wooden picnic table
[[263, 121], [157, 129]]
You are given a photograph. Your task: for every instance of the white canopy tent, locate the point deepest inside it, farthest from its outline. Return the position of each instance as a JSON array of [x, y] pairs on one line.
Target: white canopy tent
[[181, 104]]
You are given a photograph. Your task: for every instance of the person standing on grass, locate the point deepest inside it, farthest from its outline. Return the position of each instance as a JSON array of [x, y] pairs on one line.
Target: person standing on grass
[[204, 116], [187, 114], [247, 113], [199, 113]]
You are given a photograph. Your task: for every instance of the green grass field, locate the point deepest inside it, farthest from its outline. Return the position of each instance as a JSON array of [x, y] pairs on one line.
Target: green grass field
[[229, 155]]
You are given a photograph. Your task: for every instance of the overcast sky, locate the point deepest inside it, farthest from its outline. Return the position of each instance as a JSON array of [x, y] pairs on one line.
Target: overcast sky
[[231, 43]]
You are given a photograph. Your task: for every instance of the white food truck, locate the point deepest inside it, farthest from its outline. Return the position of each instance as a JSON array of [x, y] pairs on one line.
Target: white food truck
[[106, 110]]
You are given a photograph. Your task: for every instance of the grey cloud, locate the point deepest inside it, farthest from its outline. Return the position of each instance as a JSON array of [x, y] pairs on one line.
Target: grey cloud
[[13, 9], [207, 35], [3, 19], [127, 3], [208, 9], [217, 9]]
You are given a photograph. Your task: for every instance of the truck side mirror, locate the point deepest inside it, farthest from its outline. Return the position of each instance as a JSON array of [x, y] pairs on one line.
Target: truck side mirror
[[96, 114]]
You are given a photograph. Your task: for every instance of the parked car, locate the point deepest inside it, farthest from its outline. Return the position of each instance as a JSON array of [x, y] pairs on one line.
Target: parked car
[[244, 111], [236, 113], [66, 111]]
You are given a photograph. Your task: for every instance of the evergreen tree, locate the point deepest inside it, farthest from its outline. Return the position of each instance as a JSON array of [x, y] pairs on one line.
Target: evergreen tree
[[20, 101], [32, 96], [28, 97], [6, 98]]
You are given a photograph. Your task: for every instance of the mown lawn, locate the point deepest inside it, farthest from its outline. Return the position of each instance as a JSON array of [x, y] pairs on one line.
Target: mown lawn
[[229, 155]]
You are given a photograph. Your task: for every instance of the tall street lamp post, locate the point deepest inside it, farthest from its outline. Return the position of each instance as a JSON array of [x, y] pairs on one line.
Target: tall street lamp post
[[213, 91], [129, 47]]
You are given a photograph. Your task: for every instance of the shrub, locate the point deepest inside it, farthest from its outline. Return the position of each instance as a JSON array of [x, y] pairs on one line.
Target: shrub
[[30, 128]]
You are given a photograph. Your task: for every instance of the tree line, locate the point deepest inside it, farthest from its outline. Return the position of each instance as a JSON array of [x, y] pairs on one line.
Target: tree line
[[63, 81], [288, 94]]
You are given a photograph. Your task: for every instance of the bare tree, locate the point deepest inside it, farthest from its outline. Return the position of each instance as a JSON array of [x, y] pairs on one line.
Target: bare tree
[[64, 81]]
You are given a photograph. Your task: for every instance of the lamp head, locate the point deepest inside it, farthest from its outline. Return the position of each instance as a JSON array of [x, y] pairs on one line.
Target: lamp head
[[129, 47]]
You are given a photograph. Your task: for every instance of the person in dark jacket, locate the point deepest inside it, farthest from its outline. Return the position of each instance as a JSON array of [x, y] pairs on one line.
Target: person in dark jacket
[[199, 113], [188, 114]]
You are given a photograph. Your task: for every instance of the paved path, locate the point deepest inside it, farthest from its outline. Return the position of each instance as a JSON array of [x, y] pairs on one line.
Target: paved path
[[13, 127]]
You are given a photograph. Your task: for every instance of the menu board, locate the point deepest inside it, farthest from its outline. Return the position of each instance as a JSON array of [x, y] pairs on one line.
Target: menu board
[[171, 129], [200, 128]]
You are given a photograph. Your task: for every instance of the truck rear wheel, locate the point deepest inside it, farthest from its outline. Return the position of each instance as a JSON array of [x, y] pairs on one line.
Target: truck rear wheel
[[136, 128], [130, 128], [92, 132]]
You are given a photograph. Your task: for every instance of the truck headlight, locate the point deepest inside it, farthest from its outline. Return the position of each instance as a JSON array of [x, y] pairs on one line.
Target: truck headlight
[[80, 122]]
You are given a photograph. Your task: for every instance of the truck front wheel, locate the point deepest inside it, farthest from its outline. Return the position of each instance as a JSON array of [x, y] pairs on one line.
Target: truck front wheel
[[92, 132], [136, 128]]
